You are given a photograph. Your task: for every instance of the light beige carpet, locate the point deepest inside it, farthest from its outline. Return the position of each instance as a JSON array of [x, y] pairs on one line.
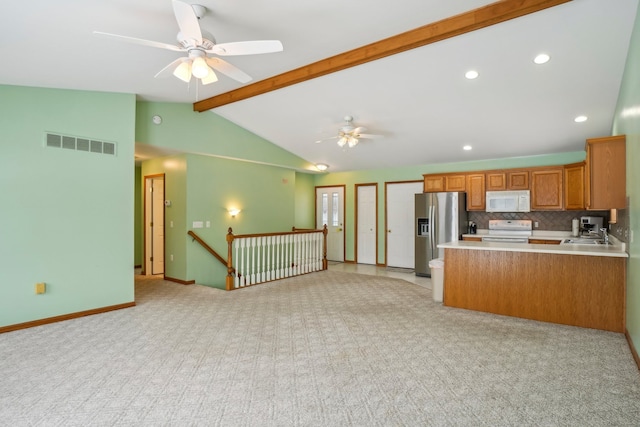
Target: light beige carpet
[[324, 349]]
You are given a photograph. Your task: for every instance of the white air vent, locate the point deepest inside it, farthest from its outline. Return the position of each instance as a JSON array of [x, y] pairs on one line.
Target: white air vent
[[80, 144]]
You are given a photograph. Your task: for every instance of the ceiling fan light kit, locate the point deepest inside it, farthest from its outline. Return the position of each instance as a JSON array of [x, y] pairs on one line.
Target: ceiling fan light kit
[[349, 135], [190, 38]]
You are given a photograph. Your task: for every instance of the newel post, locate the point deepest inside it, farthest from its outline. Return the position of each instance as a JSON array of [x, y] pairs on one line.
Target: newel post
[[229, 281], [324, 247]]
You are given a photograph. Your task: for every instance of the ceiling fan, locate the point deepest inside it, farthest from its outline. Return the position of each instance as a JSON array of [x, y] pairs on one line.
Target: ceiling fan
[[349, 135], [198, 45]]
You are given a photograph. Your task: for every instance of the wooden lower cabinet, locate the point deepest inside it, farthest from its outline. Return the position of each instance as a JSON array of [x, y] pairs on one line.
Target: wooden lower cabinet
[[543, 241], [578, 290], [471, 239]]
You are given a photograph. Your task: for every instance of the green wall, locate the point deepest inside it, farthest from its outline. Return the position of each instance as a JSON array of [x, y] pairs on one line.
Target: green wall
[[627, 121], [207, 133], [67, 216], [414, 173]]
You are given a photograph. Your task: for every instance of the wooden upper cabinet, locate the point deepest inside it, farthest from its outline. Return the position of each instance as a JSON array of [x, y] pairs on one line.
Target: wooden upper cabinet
[[475, 192], [507, 180], [547, 189], [455, 182], [433, 183], [496, 181], [518, 180], [606, 173], [444, 182], [574, 194]]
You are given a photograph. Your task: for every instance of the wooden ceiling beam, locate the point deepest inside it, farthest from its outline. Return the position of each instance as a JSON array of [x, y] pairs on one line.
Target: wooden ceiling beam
[[476, 19]]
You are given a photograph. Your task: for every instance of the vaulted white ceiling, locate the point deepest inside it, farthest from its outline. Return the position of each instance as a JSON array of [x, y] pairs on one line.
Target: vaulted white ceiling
[[419, 100]]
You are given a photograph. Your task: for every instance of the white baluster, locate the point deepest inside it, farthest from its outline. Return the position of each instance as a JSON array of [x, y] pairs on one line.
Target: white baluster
[[236, 281]]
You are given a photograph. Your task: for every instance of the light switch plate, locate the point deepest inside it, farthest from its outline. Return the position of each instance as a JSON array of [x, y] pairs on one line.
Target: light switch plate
[[198, 224]]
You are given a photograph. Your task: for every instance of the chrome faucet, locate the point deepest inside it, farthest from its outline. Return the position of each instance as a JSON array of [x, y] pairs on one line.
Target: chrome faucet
[[605, 235]]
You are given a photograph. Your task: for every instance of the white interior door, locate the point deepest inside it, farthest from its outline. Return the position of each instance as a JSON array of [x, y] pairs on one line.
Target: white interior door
[[330, 211], [154, 225], [366, 224], [399, 213]]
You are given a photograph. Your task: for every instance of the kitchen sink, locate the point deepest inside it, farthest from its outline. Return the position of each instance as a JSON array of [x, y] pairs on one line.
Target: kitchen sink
[[583, 241]]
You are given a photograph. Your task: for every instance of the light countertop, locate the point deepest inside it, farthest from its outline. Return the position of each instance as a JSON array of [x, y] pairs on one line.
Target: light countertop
[[617, 249]]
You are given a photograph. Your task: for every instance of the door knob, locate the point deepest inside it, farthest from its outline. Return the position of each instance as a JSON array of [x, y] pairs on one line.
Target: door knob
[[339, 230]]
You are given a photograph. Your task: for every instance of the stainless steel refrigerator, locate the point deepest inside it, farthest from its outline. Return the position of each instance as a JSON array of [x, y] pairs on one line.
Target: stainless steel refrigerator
[[439, 218]]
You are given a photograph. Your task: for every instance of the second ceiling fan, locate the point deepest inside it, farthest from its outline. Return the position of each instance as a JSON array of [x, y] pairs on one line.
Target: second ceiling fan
[[199, 45], [349, 136]]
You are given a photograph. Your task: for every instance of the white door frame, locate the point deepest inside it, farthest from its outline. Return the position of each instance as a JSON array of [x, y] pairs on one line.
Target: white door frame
[[332, 230], [358, 243], [148, 267]]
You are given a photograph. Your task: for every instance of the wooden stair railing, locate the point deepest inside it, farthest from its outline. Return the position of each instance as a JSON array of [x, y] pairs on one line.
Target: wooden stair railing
[[270, 256], [207, 247]]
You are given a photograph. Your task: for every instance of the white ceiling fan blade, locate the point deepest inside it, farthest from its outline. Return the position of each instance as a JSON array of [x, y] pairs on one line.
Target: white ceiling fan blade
[[139, 41], [326, 139], [168, 70], [368, 136], [187, 21], [230, 70], [247, 48], [358, 130]]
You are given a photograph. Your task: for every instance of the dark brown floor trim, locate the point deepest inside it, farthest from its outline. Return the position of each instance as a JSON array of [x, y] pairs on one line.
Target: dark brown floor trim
[[182, 282], [63, 317], [634, 352]]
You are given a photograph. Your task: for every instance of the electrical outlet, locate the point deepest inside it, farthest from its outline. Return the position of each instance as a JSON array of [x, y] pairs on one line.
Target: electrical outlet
[[535, 224], [41, 288], [171, 257]]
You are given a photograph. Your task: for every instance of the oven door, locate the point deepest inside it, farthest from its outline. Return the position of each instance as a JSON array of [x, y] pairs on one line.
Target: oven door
[[501, 239]]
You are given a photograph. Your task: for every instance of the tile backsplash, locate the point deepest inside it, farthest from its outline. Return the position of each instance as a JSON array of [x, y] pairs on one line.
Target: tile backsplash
[[556, 220]]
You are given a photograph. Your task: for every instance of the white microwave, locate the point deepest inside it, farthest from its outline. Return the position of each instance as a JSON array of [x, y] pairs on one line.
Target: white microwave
[[508, 201]]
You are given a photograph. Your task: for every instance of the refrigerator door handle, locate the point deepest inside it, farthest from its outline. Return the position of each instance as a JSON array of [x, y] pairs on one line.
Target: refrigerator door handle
[[432, 230]]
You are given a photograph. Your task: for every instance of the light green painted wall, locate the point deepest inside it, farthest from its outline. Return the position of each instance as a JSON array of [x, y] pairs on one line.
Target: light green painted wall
[[265, 194], [67, 216], [207, 133], [414, 173], [305, 201], [627, 121]]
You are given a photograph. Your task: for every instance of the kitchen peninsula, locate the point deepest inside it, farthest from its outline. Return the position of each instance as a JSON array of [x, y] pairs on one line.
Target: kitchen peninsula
[[566, 284]]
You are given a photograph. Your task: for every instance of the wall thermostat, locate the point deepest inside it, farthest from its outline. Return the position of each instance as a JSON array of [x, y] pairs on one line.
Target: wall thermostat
[[157, 119]]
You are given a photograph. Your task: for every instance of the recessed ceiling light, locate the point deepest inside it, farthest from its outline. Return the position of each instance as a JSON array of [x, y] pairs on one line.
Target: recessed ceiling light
[[471, 74], [467, 147], [580, 119], [541, 59]]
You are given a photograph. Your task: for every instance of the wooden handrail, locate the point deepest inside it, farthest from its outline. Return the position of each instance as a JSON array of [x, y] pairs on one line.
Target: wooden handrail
[[207, 247]]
